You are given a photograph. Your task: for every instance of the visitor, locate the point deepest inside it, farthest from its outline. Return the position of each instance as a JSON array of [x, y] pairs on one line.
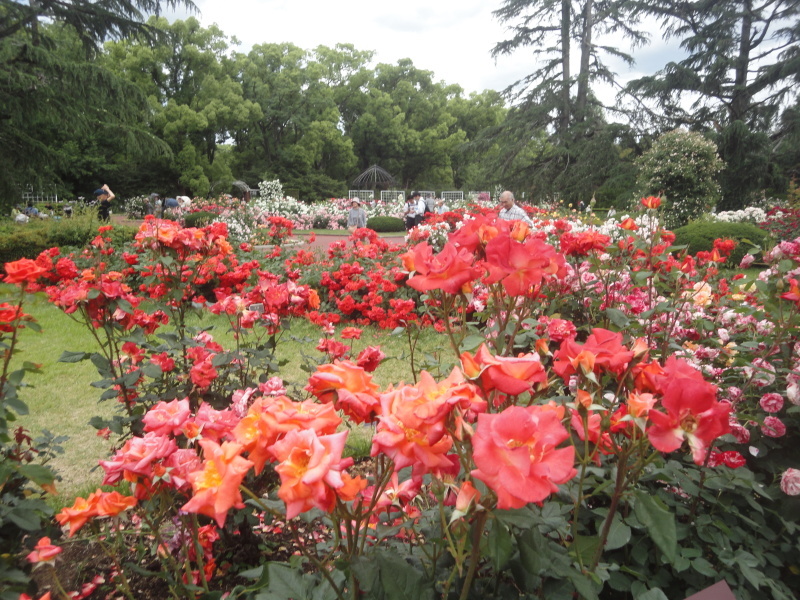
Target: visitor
[[511, 211], [419, 213], [169, 204], [356, 217], [19, 216], [68, 211], [152, 204], [185, 202], [430, 205], [31, 210], [441, 207], [104, 196], [410, 212]]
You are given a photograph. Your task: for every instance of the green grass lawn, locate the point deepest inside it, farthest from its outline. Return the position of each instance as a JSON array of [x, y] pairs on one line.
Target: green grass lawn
[[61, 399]]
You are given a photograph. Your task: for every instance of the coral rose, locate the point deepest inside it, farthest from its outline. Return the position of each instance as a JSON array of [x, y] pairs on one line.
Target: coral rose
[[516, 454]]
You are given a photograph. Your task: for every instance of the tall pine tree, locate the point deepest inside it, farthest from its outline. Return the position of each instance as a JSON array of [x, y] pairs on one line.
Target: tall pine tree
[[742, 65], [51, 90]]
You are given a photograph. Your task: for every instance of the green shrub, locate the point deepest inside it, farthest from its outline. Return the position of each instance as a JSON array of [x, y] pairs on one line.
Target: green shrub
[[76, 232], [199, 219], [25, 243], [682, 167], [30, 239], [700, 235], [386, 224], [122, 234]]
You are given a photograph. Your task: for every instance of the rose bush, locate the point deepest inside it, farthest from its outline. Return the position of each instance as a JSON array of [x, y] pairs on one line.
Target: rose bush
[[617, 418]]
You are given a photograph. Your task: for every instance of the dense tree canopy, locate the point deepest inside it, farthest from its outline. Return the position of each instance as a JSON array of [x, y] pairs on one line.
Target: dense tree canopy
[[92, 91], [742, 67], [60, 110]]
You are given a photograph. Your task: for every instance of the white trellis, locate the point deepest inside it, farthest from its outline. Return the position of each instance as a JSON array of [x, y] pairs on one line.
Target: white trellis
[[363, 195], [392, 195], [451, 196], [31, 195]]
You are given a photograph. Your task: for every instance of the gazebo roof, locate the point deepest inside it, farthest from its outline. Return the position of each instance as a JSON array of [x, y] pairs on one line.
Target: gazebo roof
[[373, 177]]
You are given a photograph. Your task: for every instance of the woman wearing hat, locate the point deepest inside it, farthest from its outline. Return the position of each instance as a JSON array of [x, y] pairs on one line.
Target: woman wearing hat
[[104, 196], [356, 217]]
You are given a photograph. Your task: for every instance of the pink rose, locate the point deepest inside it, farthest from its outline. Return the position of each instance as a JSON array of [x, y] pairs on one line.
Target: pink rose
[[167, 418], [773, 427], [793, 393], [742, 434], [771, 402], [790, 482]]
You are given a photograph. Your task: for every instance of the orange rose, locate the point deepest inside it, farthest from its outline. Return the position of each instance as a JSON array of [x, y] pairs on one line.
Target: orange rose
[[23, 270], [651, 202]]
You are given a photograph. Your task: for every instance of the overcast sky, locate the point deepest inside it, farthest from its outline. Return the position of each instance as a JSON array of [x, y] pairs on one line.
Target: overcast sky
[[451, 38]]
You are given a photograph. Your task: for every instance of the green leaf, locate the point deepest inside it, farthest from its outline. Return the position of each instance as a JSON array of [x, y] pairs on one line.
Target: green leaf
[[584, 547], [73, 357], [617, 317], [583, 585], [124, 306], [702, 566], [286, 582], [659, 521], [401, 581], [531, 557], [499, 546], [471, 342], [523, 518], [25, 519], [101, 364], [652, 594], [38, 474], [618, 535], [368, 576], [15, 404], [749, 565]]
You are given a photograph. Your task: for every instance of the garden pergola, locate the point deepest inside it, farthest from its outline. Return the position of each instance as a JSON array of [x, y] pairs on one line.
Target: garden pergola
[[374, 177]]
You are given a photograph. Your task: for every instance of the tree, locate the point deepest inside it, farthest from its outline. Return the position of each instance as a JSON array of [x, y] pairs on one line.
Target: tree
[[297, 136], [551, 27], [742, 64], [554, 101], [196, 101], [48, 87]]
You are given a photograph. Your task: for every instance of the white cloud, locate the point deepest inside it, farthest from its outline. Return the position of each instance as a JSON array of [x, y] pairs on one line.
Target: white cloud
[[451, 38]]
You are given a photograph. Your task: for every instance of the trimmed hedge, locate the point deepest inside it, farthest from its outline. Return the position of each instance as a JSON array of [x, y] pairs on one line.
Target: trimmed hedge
[[198, 219], [31, 239], [700, 235], [386, 224]]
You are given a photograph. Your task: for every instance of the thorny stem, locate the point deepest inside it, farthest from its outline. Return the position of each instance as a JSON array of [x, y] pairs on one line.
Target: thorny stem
[[320, 567], [7, 354], [59, 587], [703, 473], [412, 345], [477, 533], [198, 552], [126, 588], [619, 487]]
